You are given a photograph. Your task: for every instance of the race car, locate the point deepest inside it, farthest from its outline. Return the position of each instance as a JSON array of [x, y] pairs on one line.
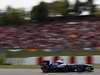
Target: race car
[[48, 67]]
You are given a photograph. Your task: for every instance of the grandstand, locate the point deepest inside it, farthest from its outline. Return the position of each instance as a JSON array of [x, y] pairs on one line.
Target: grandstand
[[71, 33]]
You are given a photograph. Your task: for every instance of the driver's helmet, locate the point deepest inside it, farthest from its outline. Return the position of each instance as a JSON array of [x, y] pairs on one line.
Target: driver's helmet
[[60, 61]]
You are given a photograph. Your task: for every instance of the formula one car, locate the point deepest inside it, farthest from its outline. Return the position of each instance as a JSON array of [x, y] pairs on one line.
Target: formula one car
[[48, 67]]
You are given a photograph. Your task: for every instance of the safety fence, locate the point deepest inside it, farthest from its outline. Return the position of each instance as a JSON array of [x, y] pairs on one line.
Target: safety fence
[[67, 59]]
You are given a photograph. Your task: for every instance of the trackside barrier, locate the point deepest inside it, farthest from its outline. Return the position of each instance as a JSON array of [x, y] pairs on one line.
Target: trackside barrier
[[67, 59], [89, 60], [39, 60], [72, 59]]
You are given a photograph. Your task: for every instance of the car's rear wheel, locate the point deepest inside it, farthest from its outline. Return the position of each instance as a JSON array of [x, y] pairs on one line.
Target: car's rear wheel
[[45, 69]]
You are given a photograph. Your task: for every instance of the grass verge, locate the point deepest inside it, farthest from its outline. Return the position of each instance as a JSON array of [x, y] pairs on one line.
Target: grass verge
[[19, 66], [43, 53]]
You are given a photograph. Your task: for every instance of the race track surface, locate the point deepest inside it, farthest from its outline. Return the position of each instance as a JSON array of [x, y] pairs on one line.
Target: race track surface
[[38, 72]]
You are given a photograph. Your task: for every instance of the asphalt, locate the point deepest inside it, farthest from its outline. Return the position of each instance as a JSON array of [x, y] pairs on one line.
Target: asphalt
[[38, 72]]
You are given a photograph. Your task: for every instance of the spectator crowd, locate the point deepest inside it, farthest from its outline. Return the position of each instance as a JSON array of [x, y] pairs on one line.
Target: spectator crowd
[[52, 35]]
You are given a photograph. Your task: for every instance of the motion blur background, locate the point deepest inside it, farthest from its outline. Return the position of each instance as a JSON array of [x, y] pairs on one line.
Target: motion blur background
[[61, 27]]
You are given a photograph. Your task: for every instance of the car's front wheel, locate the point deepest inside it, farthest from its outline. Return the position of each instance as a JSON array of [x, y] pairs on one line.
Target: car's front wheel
[[88, 69]]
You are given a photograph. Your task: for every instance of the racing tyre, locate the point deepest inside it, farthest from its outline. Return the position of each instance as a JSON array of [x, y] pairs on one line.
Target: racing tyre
[[88, 69], [45, 69]]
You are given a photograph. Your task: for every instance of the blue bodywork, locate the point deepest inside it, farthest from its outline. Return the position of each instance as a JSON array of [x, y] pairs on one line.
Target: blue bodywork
[[46, 66]]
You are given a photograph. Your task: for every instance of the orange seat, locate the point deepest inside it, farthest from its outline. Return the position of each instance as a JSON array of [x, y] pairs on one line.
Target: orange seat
[[33, 49]]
